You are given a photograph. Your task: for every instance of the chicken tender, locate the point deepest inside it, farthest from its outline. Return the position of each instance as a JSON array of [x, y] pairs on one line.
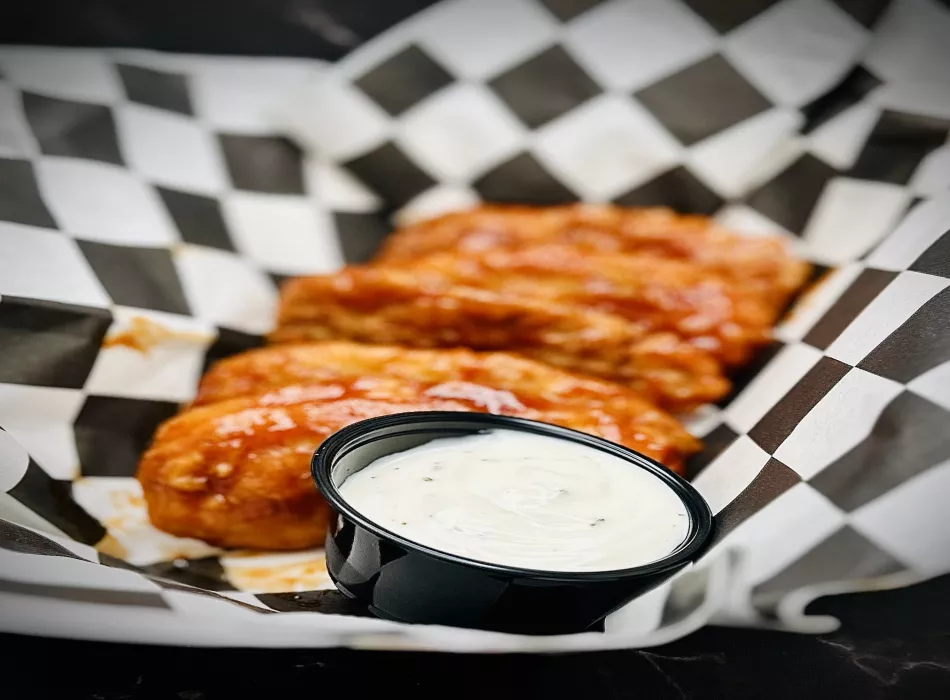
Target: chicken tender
[[492, 382], [725, 319], [236, 473], [392, 307], [762, 263]]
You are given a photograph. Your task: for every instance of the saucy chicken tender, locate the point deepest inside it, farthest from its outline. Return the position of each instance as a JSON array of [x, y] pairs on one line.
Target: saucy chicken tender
[[725, 319], [762, 263], [393, 307], [236, 473], [493, 382]]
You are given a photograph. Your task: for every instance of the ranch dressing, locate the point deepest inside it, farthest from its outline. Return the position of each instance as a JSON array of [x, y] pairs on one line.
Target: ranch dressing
[[525, 500]]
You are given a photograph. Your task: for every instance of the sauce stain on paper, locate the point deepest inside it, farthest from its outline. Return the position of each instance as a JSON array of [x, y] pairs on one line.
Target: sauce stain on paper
[[277, 573], [143, 334]]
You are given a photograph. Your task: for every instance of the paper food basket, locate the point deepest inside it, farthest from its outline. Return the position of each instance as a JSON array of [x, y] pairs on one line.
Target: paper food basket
[[150, 204]]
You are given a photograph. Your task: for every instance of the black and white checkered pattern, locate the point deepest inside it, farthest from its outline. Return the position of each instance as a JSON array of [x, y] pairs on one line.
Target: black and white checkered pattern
[[140, 185], [772, 114]]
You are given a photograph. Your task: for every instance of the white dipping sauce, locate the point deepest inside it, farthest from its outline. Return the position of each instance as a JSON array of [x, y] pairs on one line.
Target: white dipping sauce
[[525, 500]]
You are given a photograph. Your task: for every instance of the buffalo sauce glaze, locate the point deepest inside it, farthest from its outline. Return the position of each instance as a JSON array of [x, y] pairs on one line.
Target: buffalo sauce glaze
[[638, 427], [523, 500]]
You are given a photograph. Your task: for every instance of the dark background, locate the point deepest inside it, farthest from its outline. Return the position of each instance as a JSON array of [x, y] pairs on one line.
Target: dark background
[[893, 644], [325, 29]]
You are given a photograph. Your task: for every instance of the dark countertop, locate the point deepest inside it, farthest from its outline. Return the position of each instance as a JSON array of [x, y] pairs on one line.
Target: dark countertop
[[895, 644]]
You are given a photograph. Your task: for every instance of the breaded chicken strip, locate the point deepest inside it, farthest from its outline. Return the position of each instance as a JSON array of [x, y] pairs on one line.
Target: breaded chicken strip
[[392, 307], [725, 319], [493, 382], [236, 473], [763, 263]]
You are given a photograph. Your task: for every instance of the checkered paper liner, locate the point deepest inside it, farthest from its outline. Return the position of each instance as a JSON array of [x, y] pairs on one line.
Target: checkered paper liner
[[156, 197]]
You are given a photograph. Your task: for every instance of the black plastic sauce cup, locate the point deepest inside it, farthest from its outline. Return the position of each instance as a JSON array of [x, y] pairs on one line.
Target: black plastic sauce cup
[[402, 580]]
